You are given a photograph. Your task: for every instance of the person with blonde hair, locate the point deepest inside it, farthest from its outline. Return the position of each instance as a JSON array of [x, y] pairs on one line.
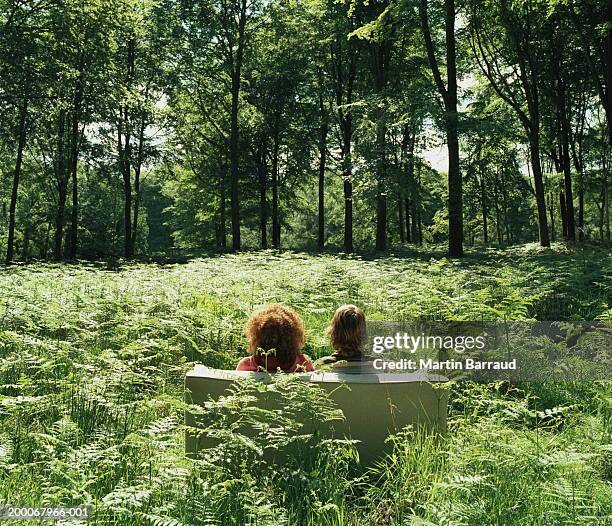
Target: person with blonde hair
[[275, 336]]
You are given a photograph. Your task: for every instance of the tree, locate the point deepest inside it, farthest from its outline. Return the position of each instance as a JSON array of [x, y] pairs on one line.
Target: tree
[[448, 93], [506, 41]]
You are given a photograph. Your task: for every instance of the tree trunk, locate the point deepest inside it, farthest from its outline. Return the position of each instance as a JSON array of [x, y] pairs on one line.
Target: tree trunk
[[608, 103], [455, 193], [380, 56], [404, 186], [62, 188], [606, 205], [551, 210], [563, 213], [275, 172], [407, 227], [581, 215], [263, 200], [500, 239], [570, 233], [348, 214], [381, 195], [417, 228], [347, 186], [578, 166], [124, 133], [455, 183], [415, 213], [126, 172], [536, 167], [222, 204], [234, 146], [16, 175], [400, 218], [322, 159], [483, 204], [449, 96], [127, 213], [74, 164], [234, 160], [137, 185]]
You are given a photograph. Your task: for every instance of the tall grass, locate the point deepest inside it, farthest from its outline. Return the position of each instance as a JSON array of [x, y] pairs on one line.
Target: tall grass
[[92, 363]]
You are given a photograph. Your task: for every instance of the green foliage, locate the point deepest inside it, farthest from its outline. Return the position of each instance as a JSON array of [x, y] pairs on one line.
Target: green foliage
[[92, 359]]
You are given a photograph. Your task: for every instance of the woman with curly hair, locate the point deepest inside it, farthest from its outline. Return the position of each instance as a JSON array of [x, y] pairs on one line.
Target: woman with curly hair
[[276, 339]]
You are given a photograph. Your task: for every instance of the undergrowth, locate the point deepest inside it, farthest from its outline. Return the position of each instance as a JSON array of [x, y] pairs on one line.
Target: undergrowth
[[92, 360]]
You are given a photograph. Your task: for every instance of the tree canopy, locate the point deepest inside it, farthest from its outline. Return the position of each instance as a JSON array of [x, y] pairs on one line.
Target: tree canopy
[[137, 128]]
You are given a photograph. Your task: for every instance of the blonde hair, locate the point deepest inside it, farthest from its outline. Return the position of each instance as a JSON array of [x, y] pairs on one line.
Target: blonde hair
[[347, 330], [275, 327]]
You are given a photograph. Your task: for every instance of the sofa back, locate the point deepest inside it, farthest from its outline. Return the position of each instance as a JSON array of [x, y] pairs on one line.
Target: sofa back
[[375, 405]]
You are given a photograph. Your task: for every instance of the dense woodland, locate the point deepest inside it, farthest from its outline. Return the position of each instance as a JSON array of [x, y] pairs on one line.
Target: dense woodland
[[136, 127]]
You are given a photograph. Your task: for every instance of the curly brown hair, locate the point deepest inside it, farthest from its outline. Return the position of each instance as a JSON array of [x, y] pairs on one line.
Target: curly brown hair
[[275, 327], [347, 330]]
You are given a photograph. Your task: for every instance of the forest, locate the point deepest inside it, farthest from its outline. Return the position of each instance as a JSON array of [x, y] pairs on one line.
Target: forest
[[168, 167], [141, 128]]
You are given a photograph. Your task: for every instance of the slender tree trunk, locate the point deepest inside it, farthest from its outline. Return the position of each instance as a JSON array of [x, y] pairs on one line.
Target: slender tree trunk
[[62, 187], [455, 191], [578, 166], [263, 199], [449, 96], [570, 233], [419, 226], [62, 195], [608, 106], [498, 228], [400, 212], [344, 81], [234, 132], [74, 164], [126, 172], [563, 213], [606, 205], [276, 235], [347, 176], [415, 212], [234, 160], [483, 204], [581, 215], [16, 176], [414, 192], [348, 214], [381, 195], [455, 182], [536, 167], [222, 207], [602, 211], [403, 205], [407, 227], [551, 211], [127, 211], [380, 54], [322, 159], [137, 185]]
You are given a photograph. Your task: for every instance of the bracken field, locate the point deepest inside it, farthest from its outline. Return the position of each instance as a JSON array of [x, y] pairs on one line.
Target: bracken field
[[92, 359]]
